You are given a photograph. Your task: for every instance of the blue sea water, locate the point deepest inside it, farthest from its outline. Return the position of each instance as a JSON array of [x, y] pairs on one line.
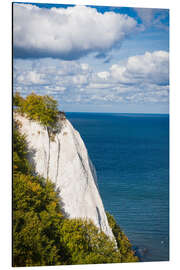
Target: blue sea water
[[131, 156]]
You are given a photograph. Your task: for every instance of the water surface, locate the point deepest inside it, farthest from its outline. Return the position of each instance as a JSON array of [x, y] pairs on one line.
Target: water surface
[[131, 156]]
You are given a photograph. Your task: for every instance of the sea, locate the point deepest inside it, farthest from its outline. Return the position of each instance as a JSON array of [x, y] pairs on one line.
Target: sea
[[131, 155]]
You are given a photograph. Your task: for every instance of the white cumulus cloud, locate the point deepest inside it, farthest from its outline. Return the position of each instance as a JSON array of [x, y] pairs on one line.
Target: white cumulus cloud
[[67, 33], [150, 68], [30, 77]]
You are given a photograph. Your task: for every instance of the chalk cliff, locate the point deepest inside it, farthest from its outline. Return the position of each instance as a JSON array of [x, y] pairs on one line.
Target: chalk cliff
[[64, 159]]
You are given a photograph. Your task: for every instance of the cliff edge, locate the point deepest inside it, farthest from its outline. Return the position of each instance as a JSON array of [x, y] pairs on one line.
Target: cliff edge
[[64, 159]]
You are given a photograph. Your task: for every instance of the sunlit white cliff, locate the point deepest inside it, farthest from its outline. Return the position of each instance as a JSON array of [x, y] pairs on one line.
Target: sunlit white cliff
[[64, 160]]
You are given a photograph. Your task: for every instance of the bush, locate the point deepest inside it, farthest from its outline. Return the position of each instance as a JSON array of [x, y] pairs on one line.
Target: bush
[[36, 223], [20, 162], [18, 101], [43, 109], [86, 245]]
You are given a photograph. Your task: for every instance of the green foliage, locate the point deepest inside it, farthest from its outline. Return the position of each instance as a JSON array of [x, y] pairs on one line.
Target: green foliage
[[18, 101], [124, 246], [36, 213], [86, 245], [20, 162], [36, 222], [43, 109]]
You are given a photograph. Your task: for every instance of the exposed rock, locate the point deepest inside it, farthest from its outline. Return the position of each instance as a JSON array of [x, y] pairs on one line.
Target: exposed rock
[[65, 161]]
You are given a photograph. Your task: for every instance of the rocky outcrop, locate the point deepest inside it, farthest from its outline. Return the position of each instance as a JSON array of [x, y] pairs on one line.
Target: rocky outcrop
[[64, 159]]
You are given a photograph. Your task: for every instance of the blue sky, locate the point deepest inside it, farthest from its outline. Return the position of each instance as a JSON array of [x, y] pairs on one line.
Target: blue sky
[[94, 59]]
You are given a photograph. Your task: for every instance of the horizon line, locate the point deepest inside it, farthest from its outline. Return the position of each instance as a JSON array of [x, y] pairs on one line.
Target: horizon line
[[120, 113]]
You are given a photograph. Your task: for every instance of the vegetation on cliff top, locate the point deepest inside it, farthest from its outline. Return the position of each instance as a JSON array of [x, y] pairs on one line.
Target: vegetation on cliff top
[[43, 109], [42, 235]]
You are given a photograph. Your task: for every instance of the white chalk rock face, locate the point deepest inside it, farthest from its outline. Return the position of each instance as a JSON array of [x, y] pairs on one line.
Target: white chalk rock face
[[65, 161]]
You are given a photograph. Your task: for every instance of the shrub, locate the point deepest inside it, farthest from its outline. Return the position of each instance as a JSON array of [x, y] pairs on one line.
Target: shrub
[[86, 245], [20, 162], [43, 109], [18, 101]]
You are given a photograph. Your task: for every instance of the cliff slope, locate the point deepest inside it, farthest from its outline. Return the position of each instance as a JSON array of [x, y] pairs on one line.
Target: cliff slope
[[64, 159]]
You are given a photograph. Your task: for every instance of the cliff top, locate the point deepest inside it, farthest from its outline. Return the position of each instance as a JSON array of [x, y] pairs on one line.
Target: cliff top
[[43, 109]]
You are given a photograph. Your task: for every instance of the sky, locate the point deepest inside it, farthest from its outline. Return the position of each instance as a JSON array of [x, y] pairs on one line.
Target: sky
[[93, 59]]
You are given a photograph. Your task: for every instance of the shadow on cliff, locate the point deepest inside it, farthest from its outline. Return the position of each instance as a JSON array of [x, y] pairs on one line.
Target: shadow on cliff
[[31, 156]]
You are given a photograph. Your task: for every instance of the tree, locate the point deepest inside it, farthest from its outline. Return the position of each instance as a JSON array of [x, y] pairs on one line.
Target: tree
[[86, 244], [36, 223], [20, 162], [43, 109], [18, 100]]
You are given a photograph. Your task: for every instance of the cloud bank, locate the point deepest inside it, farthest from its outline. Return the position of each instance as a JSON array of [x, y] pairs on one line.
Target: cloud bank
[[68, 33], [139, 79]]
